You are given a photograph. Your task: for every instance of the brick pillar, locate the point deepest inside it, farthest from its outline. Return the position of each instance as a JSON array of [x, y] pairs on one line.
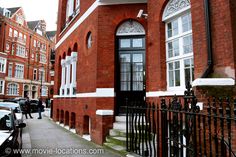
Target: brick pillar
[[104, 122]]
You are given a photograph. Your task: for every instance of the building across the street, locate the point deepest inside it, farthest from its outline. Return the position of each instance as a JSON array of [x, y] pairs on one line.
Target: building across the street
[[25, 53], [111, 51]]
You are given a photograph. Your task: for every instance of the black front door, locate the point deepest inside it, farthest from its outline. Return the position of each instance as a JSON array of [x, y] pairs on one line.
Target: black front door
[[130, 71]]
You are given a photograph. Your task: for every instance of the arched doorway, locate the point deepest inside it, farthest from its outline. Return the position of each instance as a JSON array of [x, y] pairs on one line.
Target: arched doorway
[[26, 91], [87, 128], [57, 115], [34, 92], [130, 69], [62, 117], [67, 118], [72, 121]]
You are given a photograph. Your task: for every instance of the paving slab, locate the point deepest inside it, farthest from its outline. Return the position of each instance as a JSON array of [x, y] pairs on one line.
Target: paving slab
[[46, 138]]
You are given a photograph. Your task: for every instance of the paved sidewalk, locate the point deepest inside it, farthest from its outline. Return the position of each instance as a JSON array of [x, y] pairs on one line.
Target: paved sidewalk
[[46, 136]]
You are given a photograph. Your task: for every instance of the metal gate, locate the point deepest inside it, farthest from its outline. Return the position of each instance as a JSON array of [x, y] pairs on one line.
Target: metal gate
[[177, 127]]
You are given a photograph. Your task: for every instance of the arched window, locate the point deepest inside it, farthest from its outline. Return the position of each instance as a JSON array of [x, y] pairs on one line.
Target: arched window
[[89, 40], [130, 27], [12, 89], [26, 87], [34, 92], [179, 45], [68, 74], [26, 90]]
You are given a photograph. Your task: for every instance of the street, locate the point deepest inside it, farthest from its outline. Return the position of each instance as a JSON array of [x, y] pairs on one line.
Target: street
[[43, 137]]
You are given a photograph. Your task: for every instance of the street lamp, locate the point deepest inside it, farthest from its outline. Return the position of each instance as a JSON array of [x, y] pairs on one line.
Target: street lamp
[[41, 85], [41, 80]]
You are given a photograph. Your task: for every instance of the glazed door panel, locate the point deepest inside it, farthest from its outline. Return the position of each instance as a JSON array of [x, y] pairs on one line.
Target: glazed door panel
[[130, 72]]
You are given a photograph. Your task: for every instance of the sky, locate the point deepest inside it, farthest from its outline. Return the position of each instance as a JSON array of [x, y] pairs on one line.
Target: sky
[[36, 10]]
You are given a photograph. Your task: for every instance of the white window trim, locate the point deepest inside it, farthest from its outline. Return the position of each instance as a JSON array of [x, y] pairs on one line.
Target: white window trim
[[42, 71], [177, 16], [35, 43], [42, 58], [5, 65], [68, 75], [69, 8], [36, 74], [3, 87], [20, 52], [77, 5], [23, 70], [13, 94], [15, 34], [10, 32], [90, 10], [44, 91], [10, 64]]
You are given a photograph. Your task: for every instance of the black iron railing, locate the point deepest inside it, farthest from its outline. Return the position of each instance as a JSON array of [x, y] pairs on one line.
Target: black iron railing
[[180, 129]]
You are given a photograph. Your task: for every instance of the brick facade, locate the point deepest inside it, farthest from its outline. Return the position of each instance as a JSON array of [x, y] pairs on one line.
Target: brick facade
[[34, 55], [96, 66]]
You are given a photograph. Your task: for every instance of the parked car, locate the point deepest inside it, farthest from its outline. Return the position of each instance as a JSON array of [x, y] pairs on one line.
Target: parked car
[[34, 105], [16, 107], [16, 100], [9, 132], [21, 101]]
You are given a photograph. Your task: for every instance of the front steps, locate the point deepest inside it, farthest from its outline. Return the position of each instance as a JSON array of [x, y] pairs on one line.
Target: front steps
[[116, 140]]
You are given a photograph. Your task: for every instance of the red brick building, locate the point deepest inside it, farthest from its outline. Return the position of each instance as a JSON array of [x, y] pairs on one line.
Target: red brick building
[[25, 56], [108, 51]]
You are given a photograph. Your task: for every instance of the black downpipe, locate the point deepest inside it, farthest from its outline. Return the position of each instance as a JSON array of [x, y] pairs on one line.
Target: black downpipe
[[209, 39]]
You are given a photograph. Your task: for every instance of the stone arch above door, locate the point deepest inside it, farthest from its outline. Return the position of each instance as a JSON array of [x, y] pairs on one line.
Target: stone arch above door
[[130, 27]]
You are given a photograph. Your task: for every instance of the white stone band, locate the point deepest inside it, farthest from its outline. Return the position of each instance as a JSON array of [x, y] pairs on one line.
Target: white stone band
[[105, 112], [213, 82]]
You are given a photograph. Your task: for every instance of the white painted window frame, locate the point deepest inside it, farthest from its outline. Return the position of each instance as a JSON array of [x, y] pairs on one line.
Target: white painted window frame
[[68, 75], [42, 74], [25, 37], [10, 66], [19, 73], [35, 43], [13, 85], [69, 8], [44, 91], [181, 57], [15, 33], [43, 58], [10, 32], [77, 6], [2, 83], [20, 19], [20, 51], [3, 65], [35, 74]]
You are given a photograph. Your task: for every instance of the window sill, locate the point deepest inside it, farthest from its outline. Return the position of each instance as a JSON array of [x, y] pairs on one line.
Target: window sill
[[213, 82], [105, 112], [63, 96], [165, 93]]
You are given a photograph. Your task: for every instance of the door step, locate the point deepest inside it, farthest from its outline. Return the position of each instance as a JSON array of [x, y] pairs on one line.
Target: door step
[[116, 140]]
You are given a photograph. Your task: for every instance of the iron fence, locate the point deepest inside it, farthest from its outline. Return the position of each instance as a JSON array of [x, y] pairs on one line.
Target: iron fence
[[177, 127]]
